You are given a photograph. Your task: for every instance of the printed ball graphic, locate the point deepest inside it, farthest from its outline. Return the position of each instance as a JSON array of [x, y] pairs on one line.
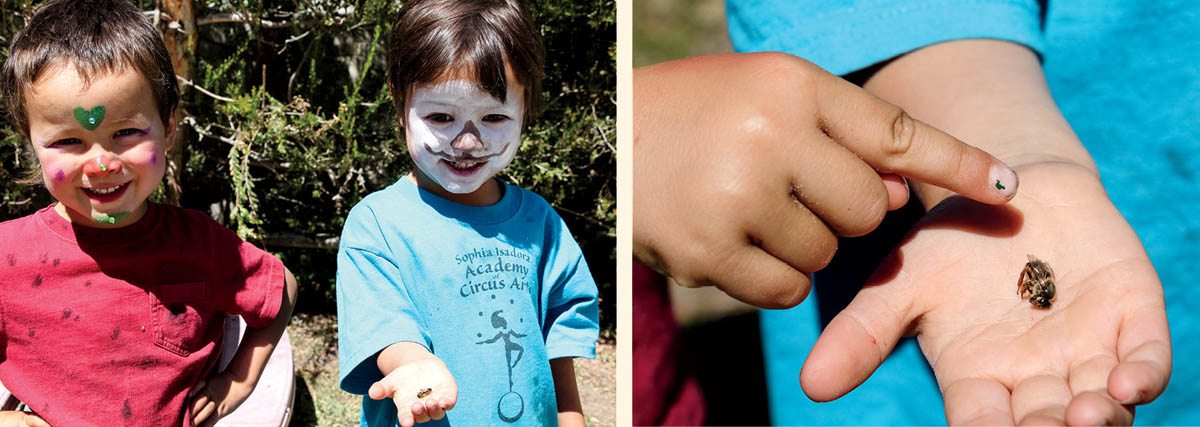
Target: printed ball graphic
[[511, 406]]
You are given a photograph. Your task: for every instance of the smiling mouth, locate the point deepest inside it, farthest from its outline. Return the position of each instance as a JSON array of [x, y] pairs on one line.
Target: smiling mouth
[[106, 194], [464, 167]]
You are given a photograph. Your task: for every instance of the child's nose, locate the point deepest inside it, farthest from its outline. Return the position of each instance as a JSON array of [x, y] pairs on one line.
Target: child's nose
[[103, 165], [468, 139]]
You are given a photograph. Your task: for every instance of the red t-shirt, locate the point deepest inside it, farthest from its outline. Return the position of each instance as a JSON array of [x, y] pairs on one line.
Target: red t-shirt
[[114, 327]]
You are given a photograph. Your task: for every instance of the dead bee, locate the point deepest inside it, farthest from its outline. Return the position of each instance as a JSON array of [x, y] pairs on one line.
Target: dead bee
[[424, 392], [1037, 283]]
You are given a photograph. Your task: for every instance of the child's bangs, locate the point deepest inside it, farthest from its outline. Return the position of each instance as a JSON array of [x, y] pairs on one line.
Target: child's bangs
[[479, 57]]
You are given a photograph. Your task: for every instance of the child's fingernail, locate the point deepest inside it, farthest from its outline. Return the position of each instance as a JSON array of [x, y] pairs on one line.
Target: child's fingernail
[[1137, 398], [1003, 180]]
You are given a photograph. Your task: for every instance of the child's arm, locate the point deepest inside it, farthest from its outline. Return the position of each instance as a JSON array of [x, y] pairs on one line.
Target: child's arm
[[417, 381], [224, 391], [952, 282], [777, 157], [566, 392]]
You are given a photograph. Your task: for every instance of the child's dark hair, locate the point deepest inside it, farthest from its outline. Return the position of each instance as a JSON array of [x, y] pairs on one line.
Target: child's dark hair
[[94, 36], [430, 38]]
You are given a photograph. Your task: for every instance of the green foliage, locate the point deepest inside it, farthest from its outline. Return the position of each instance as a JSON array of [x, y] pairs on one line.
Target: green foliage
[[287, 124]]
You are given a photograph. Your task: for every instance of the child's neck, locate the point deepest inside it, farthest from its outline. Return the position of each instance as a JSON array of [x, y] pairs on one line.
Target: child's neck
[[486, 195]]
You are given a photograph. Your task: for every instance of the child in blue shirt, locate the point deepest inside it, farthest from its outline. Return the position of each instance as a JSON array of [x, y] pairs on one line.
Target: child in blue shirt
[[456, 290]]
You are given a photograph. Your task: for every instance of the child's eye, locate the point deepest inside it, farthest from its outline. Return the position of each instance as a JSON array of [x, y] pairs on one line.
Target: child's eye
[[64, 143], [127, 132], [439, 118], [495, 118]]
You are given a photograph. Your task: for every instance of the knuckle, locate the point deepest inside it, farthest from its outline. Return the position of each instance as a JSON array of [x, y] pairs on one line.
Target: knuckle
[[904, 133]]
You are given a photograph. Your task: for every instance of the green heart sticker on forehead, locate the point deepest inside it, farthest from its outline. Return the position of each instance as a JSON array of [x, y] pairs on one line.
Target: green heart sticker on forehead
[[90, 119]]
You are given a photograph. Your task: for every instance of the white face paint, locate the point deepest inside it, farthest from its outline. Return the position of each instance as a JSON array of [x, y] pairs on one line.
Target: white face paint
[[460, 136]]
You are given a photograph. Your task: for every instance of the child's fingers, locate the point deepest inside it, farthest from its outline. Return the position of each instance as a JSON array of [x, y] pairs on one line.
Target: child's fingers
[[206, 411], [434, 409], [419, 413], [858, 338], [198, 404], [405, 418], [791, 232], [890, 140], [758, 278], [1089, 381], [32, 420], [1144, 350], [1097, 408], [977, 402], [380, 390], [897, 190], [831, 181]]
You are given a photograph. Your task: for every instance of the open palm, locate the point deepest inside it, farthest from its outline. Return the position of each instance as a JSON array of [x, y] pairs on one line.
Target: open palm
[[1102, 347]]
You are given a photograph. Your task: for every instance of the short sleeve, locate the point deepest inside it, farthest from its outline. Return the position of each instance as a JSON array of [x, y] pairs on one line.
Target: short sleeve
[[572, 315], [374, 308], [842, 37], [249, 281]]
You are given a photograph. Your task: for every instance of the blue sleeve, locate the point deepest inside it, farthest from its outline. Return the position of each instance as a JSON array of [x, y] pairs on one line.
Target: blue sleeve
[[845, 36], [374, 308], [572, 311]]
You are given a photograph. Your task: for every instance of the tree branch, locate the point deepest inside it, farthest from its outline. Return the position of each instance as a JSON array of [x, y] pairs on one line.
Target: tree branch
[[202, 90]]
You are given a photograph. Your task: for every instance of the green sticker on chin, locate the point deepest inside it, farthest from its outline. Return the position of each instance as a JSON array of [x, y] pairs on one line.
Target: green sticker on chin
[[111, 219], [90, 119]]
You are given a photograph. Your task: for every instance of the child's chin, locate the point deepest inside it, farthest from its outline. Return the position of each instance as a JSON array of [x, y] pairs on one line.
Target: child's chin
[[458, 188]]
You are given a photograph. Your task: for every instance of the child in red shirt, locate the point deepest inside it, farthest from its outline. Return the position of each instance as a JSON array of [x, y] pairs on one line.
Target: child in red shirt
[[112, 308]]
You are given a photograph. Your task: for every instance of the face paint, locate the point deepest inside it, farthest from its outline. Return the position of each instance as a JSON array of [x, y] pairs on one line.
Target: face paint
[[154, 159], [461, 136], [111, 219], [90, 119], [58, 176]]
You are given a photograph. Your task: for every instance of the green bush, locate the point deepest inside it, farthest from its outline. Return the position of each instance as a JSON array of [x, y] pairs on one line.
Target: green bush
[[287, 124]]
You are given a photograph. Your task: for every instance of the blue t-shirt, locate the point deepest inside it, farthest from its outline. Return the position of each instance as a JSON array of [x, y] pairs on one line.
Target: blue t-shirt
[[1125, 73], [495, 292]]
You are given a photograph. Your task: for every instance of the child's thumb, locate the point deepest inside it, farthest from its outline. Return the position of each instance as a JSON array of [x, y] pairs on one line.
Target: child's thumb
[[860, 337], [379, 390]]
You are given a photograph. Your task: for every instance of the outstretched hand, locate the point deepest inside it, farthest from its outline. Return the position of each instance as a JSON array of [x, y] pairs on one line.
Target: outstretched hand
[[750, 165], [412, 379], [1100, 349]]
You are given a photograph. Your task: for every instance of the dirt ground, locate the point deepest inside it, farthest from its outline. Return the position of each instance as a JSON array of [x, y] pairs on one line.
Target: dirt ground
[[319, 401]]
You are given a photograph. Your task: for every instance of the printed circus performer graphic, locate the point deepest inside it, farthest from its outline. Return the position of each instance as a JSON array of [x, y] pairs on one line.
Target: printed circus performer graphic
[[511, 405]]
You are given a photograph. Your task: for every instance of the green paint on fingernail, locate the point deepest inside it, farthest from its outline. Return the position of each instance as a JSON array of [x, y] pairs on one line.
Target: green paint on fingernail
[[998, 186], [90, 120]]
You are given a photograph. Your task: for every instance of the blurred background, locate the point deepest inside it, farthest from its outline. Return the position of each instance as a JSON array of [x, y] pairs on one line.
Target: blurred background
[[286, 123], [720, 335]]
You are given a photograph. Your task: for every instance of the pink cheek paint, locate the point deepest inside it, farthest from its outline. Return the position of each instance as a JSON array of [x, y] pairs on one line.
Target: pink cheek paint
[[58, 176], [154, 158]]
